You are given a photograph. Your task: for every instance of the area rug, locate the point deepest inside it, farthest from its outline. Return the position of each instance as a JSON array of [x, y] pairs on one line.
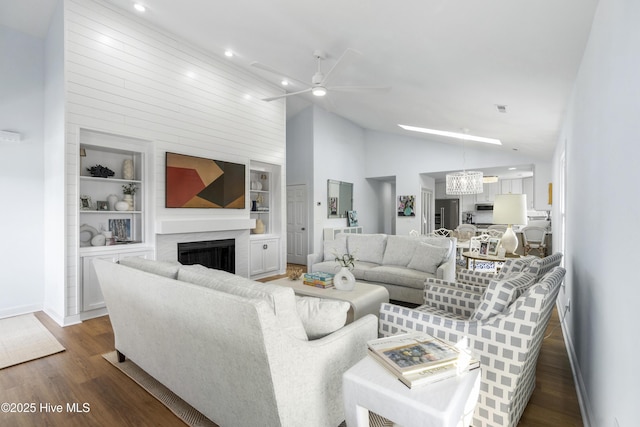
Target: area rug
[[179, 407], [24, 338]]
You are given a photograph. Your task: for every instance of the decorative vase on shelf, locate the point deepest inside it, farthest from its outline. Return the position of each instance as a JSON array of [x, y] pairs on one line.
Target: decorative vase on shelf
[[344, 280], [122, 206], [129, 199], [259, 227], [112, 199], [127, 169]]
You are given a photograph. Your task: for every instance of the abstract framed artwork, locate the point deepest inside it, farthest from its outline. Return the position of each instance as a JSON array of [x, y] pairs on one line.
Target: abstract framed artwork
[[406, 205], [196, 182]]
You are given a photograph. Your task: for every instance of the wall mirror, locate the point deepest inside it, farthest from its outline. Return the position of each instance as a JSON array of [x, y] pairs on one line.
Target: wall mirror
[[339, 198]]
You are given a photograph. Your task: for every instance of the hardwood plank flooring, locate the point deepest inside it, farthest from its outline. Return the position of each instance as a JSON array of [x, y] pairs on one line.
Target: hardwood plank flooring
[[81, 376]]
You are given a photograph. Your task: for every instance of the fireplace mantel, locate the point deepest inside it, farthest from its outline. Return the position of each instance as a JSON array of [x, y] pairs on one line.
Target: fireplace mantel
[[175, 226]]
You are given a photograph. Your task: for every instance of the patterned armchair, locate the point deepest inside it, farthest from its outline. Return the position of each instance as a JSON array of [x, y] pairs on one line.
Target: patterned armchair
[[533, 264], [505, 331]]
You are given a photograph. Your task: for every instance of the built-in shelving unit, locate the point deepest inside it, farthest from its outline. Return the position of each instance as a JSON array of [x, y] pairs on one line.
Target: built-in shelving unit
[[264, 194], [103, 212]]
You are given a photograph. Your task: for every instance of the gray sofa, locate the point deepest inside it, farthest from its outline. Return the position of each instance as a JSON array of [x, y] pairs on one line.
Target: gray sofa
[[399, 263], [234, 349]]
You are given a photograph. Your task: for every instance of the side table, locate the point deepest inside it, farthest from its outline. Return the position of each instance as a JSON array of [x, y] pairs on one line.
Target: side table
[[367, 386]]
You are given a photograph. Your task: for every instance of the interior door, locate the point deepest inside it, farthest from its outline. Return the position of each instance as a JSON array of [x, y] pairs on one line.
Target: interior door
[[297, 224], [426, 226]]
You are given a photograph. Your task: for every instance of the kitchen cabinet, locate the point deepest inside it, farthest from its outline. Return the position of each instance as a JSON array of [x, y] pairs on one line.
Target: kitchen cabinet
[[265, 256], [513, 186], [527, 188], [488, 194]]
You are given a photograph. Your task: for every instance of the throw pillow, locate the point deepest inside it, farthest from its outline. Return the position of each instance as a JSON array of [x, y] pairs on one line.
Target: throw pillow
[[399, 250], [427, 258], [496, 299], [367, 247], [337, 246], [320, 317]]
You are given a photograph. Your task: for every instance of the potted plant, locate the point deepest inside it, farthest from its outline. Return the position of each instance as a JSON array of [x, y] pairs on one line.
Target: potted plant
[[344, 280], [129, 190]]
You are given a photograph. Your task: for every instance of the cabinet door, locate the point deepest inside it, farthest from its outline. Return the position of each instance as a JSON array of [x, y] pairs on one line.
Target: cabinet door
[[265, 256], [271, 258], [527, 188], [256, 258], [91, 293]]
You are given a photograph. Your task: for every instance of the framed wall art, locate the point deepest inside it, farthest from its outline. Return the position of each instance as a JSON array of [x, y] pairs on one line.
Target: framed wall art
[[197, 182], [406, 205]]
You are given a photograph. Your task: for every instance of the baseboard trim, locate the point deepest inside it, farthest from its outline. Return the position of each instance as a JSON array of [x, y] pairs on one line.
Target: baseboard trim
[[17, 311], [581, 391]]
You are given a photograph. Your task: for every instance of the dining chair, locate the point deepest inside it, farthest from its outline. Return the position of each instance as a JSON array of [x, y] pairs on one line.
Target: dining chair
[[534, 238]]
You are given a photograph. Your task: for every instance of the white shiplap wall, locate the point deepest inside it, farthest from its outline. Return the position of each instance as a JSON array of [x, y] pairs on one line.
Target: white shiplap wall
[[126, 77]]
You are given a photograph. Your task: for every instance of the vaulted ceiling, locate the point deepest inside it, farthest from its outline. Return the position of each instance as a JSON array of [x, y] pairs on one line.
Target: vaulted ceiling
[[448, 63]]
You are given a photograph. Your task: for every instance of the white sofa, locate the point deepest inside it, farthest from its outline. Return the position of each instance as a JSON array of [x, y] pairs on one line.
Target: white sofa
[[399, 263], [234, 349]]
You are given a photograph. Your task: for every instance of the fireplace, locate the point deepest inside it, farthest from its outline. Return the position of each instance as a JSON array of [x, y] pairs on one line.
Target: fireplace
[[218, 254]]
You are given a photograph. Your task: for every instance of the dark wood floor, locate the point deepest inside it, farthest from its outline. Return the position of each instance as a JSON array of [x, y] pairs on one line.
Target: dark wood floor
[[81, 376]]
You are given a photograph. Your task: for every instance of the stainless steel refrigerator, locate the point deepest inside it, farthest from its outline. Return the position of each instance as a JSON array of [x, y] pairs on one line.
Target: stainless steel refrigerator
[[447, 214]]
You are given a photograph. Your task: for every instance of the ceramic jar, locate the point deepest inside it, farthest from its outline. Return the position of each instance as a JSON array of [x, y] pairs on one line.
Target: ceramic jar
[[127, 169]]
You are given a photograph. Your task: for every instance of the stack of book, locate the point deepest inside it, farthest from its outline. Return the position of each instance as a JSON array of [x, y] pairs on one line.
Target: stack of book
[[319, 280], [418, 359]]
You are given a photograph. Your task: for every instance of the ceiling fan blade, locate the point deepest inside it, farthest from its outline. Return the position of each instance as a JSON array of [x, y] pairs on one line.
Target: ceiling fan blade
[[347, 57], [273, 98], [358, 88], [276, 72]]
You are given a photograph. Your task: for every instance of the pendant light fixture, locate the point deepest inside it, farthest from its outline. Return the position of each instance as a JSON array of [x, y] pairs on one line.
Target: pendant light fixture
[[465, 182]]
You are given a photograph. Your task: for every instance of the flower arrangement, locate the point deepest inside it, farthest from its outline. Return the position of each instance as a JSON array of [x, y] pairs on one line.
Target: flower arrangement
[[129, 188], [345, 260]]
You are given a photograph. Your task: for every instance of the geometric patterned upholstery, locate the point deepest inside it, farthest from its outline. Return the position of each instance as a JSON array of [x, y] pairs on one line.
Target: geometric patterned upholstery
[[482, 278], [507, 345], [541, 266], [500, 294]]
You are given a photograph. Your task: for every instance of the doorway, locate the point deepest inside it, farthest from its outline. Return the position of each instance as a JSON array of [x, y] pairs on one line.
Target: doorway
[[297, 224], [426, 226]]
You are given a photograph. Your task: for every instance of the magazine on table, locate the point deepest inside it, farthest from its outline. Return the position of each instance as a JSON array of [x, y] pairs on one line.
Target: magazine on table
[[417, 358]]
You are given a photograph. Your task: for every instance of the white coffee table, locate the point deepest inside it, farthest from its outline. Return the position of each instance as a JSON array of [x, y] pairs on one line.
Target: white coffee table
[[365, 298], [368, 386]]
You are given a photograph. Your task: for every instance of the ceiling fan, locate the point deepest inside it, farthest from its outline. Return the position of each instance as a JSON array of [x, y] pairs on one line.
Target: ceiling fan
[[321, 82]]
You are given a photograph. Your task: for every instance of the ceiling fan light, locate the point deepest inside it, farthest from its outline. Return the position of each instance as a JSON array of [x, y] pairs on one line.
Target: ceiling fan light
[[319, 91]]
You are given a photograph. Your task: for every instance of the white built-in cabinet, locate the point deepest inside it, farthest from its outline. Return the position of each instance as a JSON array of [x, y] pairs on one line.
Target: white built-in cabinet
[[92, 298], [511, 186], [264, 194], [97, 212], [265, 256]]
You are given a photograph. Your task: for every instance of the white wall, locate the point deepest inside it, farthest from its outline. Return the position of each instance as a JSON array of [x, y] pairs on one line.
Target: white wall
[[125, 77], [602, 204], [21, 173], [56, 295], [405, 158]]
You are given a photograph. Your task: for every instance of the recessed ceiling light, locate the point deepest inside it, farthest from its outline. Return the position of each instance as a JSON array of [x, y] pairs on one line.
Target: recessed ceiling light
[[464, 136], [139, 7], [284, 83], [228, 53], [512, 169]]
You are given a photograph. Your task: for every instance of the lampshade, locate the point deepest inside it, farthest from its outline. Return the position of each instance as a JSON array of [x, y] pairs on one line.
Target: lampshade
[[465, 182], [510, 209]]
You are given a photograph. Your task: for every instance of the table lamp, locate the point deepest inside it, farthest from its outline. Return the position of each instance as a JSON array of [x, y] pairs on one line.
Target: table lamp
[[510, 209]]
